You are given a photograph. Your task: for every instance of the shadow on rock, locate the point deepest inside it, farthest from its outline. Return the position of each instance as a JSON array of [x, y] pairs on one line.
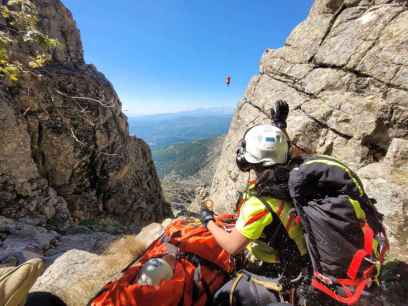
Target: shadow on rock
[[395, 283], [43, 299]]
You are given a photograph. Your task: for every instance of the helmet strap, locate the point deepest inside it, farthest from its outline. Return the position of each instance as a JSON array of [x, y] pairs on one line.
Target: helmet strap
[[248, 181]]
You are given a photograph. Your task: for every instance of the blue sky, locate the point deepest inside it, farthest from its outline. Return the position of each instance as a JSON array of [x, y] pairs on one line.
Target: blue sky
[[172, 55]]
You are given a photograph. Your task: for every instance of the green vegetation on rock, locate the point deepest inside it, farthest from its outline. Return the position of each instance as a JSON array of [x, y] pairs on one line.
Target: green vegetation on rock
[[182, 159], [19, 29]]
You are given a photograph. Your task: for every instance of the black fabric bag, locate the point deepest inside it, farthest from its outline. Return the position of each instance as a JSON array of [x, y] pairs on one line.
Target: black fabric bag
[[248, 289], [336, 233], [43, 299], [343, 230]]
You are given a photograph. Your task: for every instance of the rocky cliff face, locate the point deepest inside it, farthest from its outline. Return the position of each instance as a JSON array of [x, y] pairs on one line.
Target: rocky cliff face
[[344, 72], [65, 151]]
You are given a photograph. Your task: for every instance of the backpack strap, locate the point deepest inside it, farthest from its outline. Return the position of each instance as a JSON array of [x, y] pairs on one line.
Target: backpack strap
[[359, 256], [233, 287], [280, 226], [308, 237], [350, 298]]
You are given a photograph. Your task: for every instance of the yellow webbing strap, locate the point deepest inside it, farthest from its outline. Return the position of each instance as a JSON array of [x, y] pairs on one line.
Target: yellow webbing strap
[[271, 285], [233, 287], [359, 212]]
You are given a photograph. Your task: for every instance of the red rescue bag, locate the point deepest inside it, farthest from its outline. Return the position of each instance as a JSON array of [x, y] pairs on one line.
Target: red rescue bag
[[201, 268]]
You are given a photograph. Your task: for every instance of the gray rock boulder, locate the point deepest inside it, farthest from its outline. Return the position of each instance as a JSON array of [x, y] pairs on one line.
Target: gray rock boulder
[[387, 181], [21, 241], [78, 275], [397, 154]]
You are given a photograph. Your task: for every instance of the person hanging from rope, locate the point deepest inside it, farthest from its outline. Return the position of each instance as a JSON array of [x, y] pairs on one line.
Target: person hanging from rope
[[228, 79]]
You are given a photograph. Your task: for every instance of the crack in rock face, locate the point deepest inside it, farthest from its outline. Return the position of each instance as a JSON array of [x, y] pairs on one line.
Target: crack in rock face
[[343, 72]]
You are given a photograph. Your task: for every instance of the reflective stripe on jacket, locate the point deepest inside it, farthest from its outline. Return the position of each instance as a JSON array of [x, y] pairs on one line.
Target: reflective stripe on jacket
[[255, 218]]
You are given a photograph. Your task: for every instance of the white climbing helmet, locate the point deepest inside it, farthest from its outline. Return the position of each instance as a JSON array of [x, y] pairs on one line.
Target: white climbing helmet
[[154, 271], [265, 144]]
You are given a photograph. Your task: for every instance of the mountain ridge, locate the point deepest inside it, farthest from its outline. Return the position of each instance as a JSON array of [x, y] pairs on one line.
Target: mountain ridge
[[198, 111], [183, 127]]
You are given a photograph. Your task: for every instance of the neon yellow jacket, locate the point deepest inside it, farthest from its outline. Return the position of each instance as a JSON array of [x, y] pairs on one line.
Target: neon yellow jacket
[[253, 219]]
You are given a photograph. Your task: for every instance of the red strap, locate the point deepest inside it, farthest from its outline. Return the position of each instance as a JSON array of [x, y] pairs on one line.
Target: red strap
[[256, 217], [291, 218], [355, 264], [280, 208], [350, 299], [358, 285], [368, 239], [298, 220]]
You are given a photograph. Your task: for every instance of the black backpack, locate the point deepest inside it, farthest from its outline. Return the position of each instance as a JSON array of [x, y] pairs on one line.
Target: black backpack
[[343, 230]]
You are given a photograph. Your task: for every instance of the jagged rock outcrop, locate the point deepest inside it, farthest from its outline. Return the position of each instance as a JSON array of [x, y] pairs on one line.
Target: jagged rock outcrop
[[387, 182], [65, 151], [344, 72]]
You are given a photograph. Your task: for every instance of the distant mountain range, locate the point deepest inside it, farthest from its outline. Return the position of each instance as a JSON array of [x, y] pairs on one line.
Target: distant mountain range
[[195, 112], [163, 130]]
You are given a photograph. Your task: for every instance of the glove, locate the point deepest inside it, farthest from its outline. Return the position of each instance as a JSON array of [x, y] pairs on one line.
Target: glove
[[279, 114], [206, 216]]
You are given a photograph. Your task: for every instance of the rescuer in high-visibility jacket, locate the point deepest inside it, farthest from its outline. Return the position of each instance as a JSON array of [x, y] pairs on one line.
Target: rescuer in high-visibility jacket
[[344, 237], [266, 227], [266, 230]]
